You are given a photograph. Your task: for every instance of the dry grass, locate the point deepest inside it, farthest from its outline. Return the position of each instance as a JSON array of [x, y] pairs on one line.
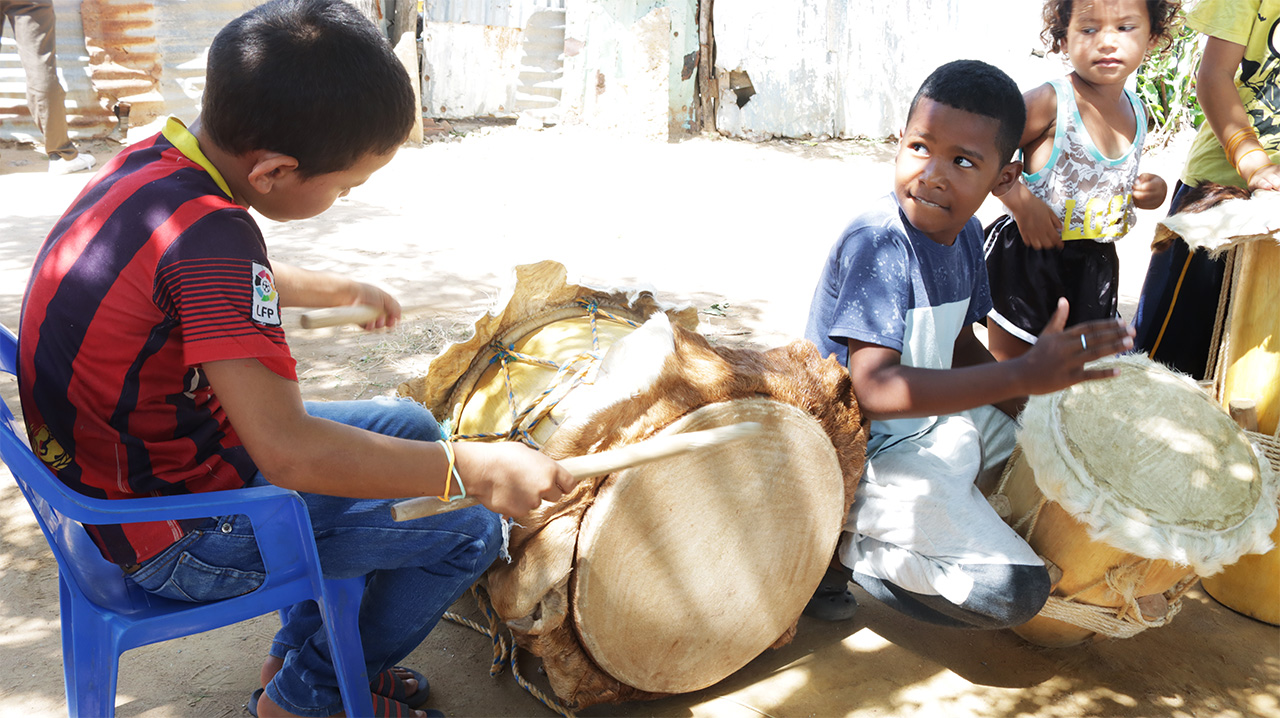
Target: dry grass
[[367, 365]]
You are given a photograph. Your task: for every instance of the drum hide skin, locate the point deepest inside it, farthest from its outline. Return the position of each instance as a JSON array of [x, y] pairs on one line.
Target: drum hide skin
[[727, 554], [667, 577]]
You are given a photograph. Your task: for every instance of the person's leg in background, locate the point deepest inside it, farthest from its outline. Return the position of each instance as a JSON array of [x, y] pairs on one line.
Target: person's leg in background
[[34, 32]]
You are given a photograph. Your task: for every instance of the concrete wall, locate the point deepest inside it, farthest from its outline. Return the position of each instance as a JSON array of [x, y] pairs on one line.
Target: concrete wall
[[848, 68], [630, 65]]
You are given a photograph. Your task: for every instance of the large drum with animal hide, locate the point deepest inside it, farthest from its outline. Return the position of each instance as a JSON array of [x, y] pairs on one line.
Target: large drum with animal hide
[[1245, 365], [1131, 488], [667, 577]]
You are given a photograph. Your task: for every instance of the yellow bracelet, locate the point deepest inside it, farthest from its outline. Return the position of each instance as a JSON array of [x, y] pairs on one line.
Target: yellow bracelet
[[1234, 142], [451, 474], [1256, 170], [1255, 149]]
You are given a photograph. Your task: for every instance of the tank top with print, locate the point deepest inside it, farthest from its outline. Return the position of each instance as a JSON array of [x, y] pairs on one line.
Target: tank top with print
[[1091, 194]]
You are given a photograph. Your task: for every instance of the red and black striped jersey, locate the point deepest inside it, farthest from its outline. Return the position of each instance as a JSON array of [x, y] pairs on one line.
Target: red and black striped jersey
[[151, 272]]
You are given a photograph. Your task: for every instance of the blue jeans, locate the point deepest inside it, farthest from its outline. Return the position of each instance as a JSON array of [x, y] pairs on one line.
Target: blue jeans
[[414, 569]]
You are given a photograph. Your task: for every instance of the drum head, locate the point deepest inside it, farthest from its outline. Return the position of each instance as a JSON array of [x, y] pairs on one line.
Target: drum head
[[690, 567], [1152, 466], [1162, 447]]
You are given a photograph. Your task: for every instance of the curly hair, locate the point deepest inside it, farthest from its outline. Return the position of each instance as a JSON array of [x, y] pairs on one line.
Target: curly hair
[[1057, 15]]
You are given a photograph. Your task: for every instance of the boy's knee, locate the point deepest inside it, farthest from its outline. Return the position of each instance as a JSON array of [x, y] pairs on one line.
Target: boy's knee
[[406, 419], [1014, 599], [490, 538]]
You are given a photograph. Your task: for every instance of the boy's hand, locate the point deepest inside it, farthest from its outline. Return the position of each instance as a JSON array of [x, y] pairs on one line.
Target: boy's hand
[[1057, 359], [1149, 191], [509, 478], [389, 314], [1039, 226]]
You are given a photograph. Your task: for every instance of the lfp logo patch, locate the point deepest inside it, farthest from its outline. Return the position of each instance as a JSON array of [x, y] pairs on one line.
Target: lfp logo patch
[[266, 301]]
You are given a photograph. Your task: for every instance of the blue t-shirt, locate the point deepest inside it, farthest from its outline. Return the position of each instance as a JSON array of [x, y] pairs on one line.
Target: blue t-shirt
[[886, 283]]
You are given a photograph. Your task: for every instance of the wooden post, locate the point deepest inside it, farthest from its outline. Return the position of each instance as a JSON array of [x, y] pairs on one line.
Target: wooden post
[[708, 88], [404, 36], [401, 31], [404, 18], [372, 9]]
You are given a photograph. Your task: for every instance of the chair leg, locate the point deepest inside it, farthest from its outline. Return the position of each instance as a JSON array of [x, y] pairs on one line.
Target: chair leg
[[342, 621], [90, 662]]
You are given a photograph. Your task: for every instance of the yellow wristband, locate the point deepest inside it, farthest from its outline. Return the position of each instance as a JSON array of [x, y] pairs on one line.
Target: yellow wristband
[[1255, 171], [1255, 149], [451, 475], [1234, 141]]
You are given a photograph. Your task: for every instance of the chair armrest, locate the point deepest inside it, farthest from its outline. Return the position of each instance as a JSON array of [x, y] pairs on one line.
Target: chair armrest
[[257, 501], [279, 518]]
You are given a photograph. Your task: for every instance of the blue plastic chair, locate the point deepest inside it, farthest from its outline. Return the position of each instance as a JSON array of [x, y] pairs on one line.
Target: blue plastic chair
[[103, 615]]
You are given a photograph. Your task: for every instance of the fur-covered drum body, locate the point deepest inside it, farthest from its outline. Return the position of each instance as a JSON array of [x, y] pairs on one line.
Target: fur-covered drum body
[[666, 577], [1132, 488]]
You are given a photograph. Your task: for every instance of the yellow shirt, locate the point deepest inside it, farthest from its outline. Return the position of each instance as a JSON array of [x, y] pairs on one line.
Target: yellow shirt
[[1249, 23]]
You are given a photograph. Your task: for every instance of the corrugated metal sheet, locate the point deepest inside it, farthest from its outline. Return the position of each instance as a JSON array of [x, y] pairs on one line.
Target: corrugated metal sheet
[[148, 53], [151, 53], [497, 13], [493, 58], [849, 68], [84, 115], [630, 65]]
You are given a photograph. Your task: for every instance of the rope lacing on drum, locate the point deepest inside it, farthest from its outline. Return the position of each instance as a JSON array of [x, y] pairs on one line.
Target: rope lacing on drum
[[594, 309], [576, 370], [1124, 621], [504, 649]]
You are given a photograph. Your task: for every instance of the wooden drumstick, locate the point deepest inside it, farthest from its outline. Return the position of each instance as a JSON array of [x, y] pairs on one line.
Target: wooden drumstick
[[599, 464], [334, 316]]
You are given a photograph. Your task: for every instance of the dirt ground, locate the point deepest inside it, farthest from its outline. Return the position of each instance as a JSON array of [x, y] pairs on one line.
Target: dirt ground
[[740, 231]]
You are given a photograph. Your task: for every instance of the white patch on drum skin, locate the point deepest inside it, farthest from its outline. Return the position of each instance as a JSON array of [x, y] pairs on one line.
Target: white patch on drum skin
[[628, 368]]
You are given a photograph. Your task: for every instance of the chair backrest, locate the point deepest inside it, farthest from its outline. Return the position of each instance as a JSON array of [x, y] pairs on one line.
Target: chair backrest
[[98, 579]]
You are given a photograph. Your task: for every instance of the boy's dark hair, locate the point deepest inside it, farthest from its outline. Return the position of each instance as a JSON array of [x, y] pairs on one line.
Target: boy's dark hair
[[1057, 15], [974, 86], [312, 79]]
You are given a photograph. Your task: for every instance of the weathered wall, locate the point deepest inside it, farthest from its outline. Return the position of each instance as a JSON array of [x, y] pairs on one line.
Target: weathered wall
[[848, 68], [492, 58], [147, 53], [631, 64], [801, 68]]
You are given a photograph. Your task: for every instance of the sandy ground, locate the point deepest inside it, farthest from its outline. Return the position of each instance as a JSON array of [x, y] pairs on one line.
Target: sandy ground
[[740, 231]]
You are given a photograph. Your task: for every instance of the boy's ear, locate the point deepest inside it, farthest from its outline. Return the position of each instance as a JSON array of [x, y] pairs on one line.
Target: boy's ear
[[268, 168], [1007, 178]]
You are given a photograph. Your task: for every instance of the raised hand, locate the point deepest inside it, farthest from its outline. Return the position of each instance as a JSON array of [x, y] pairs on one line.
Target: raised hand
[[1057, 359]]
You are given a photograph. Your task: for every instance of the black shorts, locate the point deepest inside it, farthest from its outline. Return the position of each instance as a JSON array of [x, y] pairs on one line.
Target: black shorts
[[1026, 282]]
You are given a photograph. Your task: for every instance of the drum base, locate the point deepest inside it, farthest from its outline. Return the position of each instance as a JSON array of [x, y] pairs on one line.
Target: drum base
[[1250, 586]]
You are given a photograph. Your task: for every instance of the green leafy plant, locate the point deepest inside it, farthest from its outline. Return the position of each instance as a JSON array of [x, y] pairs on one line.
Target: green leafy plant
[[1167, 84]]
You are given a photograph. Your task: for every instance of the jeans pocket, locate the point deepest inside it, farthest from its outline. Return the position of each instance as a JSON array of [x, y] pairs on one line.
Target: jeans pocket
[[195, 580]]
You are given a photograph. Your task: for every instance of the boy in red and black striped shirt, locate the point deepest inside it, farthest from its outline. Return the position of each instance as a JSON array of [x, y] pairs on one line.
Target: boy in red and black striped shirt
[[152, 359]]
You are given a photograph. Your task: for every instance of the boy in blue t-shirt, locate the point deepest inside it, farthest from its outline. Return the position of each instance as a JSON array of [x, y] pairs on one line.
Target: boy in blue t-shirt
[[896, 303]]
